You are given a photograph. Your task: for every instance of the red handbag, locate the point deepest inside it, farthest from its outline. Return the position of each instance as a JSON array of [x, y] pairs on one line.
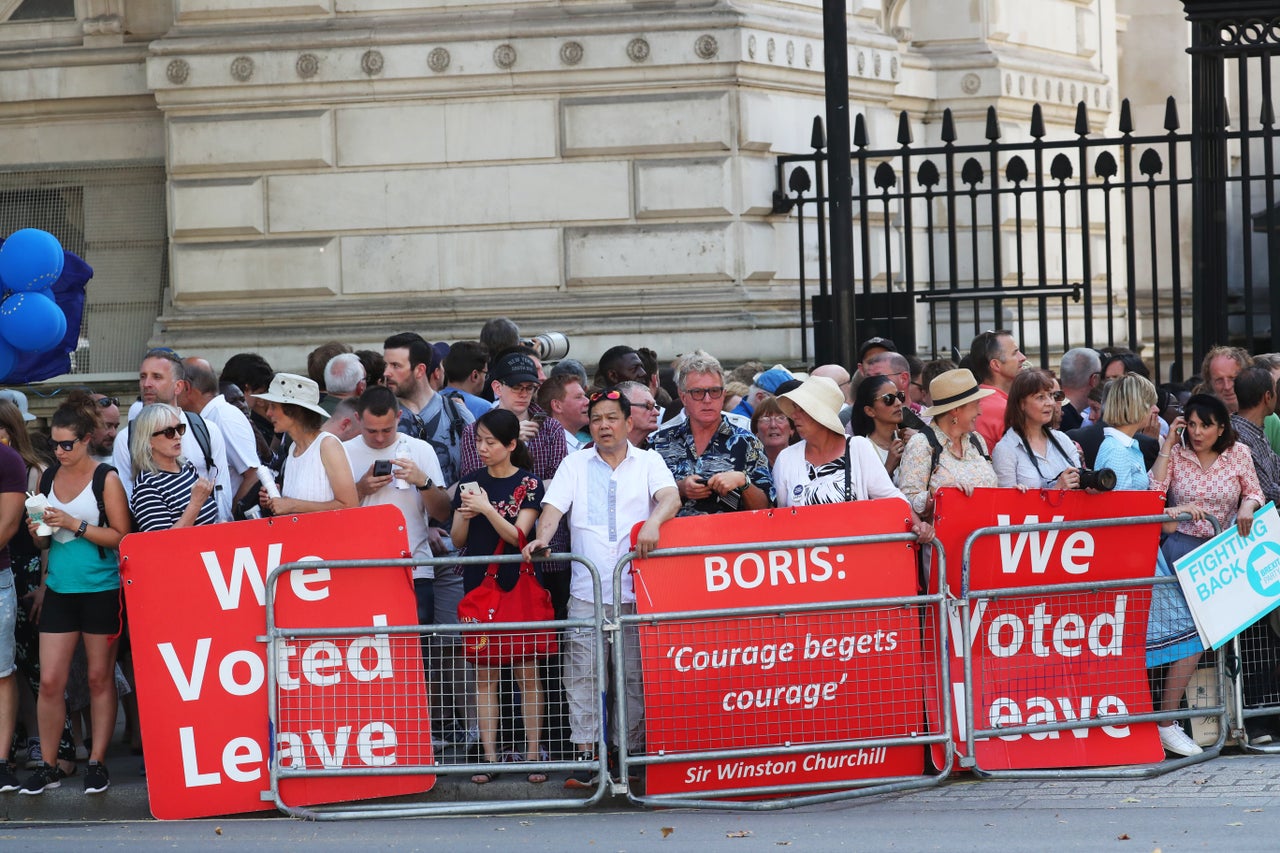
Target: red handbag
[[527, 601]]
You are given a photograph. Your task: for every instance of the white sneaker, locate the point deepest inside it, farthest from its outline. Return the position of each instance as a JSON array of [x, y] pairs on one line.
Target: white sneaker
[[1175, 740]]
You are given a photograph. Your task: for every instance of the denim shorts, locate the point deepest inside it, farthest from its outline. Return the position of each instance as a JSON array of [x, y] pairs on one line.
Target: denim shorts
[[8, 619]]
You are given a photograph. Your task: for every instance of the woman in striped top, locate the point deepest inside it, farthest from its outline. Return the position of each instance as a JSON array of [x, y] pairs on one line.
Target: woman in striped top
[[167, 493]]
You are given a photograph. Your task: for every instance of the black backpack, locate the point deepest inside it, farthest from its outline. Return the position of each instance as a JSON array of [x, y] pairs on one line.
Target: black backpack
[[932, 438], [99, 486]]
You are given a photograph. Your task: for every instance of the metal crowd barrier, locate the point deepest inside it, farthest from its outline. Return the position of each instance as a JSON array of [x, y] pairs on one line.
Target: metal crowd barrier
[[1253, 668], [1065, 592], [416, 805], [938, 731]]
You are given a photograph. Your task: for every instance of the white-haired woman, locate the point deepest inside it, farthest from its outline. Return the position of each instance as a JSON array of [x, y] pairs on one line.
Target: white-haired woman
[[167, 491], [827, 466]]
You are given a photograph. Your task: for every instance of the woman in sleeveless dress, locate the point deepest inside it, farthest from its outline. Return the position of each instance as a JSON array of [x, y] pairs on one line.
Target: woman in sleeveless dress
[[317, 475]]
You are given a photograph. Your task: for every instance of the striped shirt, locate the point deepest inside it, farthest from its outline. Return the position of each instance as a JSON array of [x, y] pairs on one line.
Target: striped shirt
[[161, 497]]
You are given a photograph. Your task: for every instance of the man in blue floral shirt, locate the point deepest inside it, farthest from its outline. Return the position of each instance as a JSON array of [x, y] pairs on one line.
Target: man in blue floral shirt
[[718, 467]]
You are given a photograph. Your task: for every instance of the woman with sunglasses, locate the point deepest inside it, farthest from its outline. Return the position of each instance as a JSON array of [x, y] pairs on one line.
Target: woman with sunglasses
[[1032, 454], [167, 492], [877, 415], [81, 593]]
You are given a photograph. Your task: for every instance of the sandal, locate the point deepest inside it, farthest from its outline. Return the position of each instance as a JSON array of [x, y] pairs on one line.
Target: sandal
[[485, 778]]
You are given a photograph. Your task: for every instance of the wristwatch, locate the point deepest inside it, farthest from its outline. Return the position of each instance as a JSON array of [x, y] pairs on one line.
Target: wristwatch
[[427, 485], [84, 525]]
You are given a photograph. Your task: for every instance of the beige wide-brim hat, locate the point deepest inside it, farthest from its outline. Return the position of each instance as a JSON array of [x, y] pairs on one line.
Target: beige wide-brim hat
[[953, 389], [294, 389], [820, 398]]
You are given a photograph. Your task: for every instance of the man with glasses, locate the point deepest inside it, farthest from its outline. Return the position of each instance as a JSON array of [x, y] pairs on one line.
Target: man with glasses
[[103, 439], [161, 378], [644, 413], [718, 466]]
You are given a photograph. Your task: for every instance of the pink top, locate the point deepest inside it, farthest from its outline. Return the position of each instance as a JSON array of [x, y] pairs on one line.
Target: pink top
[[991, 422], [1219, 489]]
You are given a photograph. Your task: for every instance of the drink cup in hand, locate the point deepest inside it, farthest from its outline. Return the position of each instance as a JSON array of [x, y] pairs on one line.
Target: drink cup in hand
[[36, 505]]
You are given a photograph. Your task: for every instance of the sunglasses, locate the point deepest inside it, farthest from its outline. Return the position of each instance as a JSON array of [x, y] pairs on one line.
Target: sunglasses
[[888, 399], [171, 432], [606, 395], [67, 446], [108, 402], [705, 393], [648, 407], [1058, 396]]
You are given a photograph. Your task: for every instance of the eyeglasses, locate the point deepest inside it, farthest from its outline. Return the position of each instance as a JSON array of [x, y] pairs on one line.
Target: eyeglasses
[[917, 385], [888, 399], [525, 388], [1058, 396], [171, 431], [66, 446], [648, 407], [705, 393], [606, 395], [774, 419], [108, 402]]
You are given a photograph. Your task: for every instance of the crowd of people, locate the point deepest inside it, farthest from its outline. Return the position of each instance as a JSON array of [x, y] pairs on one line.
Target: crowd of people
[[485, 451]]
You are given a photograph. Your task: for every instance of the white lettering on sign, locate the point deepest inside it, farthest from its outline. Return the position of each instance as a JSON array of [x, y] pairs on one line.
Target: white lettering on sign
[[773, 568], [1007, 634], [307, 584], [191, 686], [1041, 710], [1074, 554]]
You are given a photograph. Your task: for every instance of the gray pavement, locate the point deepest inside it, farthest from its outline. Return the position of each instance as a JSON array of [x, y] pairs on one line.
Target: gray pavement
[[1232, 802]]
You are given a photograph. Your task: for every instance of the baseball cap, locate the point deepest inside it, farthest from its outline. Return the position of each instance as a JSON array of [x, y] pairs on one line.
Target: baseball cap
[[770, 379], [512, 368], [876, 343]]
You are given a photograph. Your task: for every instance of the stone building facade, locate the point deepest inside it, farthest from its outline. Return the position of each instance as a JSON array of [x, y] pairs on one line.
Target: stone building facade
[[265, 174]]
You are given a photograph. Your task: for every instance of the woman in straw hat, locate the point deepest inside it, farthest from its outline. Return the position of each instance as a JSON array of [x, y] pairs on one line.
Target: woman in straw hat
[[828, 466], [317, 475], [963, 461]]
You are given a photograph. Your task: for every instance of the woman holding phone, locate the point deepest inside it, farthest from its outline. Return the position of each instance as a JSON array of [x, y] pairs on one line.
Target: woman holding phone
[[1203, 471], [493, 506]]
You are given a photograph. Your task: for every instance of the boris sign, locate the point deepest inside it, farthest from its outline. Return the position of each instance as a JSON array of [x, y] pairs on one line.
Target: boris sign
[[800, 678], [1050, 657], [196, 603], [1232, 581]]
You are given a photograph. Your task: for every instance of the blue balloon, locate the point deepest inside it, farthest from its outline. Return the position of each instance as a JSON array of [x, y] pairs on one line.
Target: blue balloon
[[32, 322], [8, 357], [30, 259]]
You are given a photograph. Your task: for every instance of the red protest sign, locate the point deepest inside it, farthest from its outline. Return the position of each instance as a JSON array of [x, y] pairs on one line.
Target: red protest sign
[[196, 604], [1055, 657], [731, 682]]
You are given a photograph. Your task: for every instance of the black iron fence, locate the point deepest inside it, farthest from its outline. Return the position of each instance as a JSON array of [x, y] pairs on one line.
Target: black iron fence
[[1166, 242]]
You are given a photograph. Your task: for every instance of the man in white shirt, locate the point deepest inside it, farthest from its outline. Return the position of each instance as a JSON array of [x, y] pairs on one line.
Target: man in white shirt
[[199, 394], [604, 490], [413, 486], [160, 378]]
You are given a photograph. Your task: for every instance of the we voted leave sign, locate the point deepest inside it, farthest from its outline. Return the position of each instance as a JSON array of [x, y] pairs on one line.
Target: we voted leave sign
[[1048, 657], [196, 601], [1232, 581]]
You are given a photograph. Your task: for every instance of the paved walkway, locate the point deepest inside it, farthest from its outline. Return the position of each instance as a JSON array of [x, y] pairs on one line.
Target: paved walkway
[[1233, 783]]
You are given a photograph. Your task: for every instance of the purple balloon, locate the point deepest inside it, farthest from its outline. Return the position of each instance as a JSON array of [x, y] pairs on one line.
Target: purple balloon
[[32, 322], [30, 259]]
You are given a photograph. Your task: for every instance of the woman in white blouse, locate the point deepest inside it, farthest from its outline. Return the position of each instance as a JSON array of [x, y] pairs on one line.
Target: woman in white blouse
[[827, 466], [1031, 453]]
